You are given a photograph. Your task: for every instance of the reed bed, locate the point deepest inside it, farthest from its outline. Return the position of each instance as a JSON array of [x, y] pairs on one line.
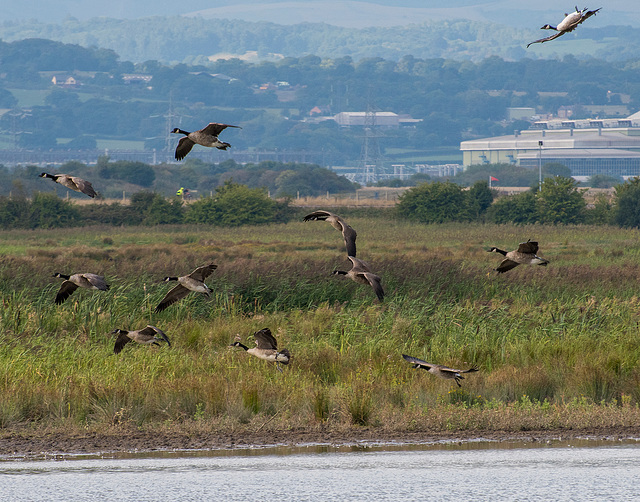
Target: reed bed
[[557, 346]]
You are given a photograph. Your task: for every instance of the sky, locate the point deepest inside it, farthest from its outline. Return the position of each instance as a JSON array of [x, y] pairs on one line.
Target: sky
[[357, 14]]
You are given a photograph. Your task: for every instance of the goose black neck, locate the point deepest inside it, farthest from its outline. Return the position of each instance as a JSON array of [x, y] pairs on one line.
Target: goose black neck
[[47, 175], [503, 253], [238, 344], [340, 272], [62, 276], [186, 133]]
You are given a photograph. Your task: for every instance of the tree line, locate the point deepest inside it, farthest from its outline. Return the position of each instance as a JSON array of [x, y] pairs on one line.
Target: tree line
[[559, 200]]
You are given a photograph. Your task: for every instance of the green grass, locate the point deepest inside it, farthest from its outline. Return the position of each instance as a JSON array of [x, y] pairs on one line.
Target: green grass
[[556, 346]]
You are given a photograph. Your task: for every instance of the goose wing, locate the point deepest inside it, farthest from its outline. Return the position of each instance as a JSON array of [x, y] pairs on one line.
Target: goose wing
[[184, 147], [349, 235], [358, 265], [65, 291], [121, 341], [547, 39], [374, 281], [154, 332], [175, 294], [201, 273], [419, 363], [505, 265], [528, 247], [82, 186], [588, 14], [265, 340], [96, 281], [317, 215], [214, 128]]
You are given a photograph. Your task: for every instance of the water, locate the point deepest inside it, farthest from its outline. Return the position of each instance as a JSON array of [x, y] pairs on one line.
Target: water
[[482, 471]]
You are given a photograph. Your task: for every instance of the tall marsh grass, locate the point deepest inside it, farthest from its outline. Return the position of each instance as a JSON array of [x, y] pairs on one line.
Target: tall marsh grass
[[556, 346]]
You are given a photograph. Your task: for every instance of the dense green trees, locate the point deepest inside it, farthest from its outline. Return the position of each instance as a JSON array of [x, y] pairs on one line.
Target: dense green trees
[[559, 201], [627, 209], [439, 202]]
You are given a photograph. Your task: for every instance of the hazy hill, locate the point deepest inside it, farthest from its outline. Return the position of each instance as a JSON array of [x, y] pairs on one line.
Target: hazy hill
[[518, 13], [196, 40]]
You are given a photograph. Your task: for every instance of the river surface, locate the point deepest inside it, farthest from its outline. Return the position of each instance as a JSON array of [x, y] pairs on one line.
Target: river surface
[[470, 471]]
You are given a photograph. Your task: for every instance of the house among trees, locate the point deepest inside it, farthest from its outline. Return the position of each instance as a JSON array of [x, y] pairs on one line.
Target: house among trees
[[64, 80]]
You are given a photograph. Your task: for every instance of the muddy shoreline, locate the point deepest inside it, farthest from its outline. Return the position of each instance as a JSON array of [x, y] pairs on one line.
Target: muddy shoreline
[[29, 444]]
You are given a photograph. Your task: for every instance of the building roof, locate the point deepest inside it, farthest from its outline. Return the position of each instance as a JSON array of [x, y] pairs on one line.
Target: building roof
[[558, 139], [580, 153]]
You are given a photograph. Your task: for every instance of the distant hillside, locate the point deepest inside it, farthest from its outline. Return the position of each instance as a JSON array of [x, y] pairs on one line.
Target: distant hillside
[[193, 40], [354, 14]]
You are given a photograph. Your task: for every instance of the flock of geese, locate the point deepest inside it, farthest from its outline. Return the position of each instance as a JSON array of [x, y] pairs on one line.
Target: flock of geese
[[266, 344], [360, 272]]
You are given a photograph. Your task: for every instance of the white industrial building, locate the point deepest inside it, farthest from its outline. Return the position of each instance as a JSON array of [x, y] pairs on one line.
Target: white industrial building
[[586, 147]]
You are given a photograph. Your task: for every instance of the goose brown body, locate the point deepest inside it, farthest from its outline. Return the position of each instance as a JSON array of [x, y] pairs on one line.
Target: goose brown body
[[266, 348], [207, 136], [186, 284], [362, 274], [145, 336], [439, 370], [526, 254], [75, 281], [72, 182]]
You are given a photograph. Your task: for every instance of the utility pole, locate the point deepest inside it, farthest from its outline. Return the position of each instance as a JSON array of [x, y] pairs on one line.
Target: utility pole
[[540, 143]]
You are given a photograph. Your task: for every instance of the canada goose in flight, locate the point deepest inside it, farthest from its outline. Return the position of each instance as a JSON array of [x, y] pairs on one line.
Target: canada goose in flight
[[524, 255], [72, 182], [192, 282], [205, 137], [146, 336], [349, 234], [569, 23], [360, 272], [438, 370], [266, 348], [75, 281]]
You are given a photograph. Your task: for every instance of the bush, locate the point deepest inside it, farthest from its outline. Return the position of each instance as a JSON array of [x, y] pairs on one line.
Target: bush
[[627, 210], [520, 209], [234, 205], [49, 211], [436, 202]]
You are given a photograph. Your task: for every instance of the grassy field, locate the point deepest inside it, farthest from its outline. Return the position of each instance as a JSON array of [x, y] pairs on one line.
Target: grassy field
[[557, 346]]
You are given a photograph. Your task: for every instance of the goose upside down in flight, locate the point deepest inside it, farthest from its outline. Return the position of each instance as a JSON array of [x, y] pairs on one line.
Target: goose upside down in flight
[[207, 136], [569, 23]]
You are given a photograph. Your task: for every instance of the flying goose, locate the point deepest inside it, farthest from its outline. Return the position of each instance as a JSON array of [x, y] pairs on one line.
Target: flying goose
[[75, 281], [439, 370], [524, 255], [266, 348], [72, 182], [146, 336], [349, 234], [360, 272], [192, 282], [569, 23], [205, 137]]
